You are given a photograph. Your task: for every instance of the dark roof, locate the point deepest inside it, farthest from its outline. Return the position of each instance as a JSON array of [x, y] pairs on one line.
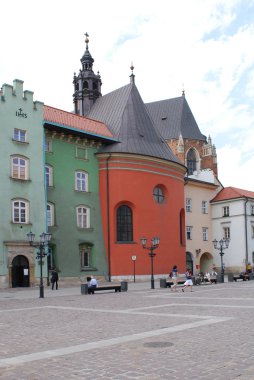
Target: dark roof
[[125, 114], [173, 117]]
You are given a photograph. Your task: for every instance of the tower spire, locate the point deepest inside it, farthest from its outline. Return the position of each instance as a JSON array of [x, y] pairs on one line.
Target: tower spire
[[87, 85], [132, 76]]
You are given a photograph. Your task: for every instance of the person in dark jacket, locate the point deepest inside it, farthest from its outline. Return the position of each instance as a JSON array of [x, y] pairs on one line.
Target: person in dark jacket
[[54, 278]]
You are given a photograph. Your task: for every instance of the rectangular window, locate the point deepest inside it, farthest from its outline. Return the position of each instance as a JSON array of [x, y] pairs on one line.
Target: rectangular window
[[83, 217], [85, 253], [49, 175], [205, 233], [226, 231], [252, 209], [189, 232], [252, 230], [188, 206], [204, 207], [226, 211], [48, 145], [81, 181], [19, 135], [81, 152]]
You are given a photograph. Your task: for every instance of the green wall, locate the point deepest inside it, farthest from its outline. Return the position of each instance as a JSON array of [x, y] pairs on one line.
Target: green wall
[[18, 110], [66, 236]]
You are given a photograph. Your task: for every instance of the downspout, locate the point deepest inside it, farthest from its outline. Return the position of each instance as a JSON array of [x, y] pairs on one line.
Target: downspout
[[108, 221], [246, 232]]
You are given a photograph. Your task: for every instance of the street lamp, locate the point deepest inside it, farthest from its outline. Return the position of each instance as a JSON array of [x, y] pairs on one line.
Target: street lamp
[[44, 239], [155, 244], [220, 245]]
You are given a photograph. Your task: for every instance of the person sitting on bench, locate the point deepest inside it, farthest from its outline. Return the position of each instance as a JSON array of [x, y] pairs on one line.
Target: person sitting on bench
[[92, 284]]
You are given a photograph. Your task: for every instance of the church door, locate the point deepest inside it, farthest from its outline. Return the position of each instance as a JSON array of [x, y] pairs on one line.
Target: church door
[[20, 272]]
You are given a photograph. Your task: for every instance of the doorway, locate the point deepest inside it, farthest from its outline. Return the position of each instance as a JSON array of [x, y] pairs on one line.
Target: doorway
[[20, 272]]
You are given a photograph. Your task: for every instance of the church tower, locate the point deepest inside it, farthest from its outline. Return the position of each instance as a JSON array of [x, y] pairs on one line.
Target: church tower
[[87, 85]]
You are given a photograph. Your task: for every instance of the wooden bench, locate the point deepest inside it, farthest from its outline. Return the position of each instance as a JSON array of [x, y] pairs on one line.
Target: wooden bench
[[244, 277]]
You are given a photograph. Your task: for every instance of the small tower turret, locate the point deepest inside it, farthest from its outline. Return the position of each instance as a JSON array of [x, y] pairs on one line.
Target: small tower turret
[[87, 85]]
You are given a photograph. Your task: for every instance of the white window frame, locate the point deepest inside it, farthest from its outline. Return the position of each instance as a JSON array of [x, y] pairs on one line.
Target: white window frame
[[20, 211], [49, 175], [19, 169], [204, 207], [83, 216], [81, 181], [189, 232], [225, 211], [48, 145], [19, 135], [86, 256], [226, 232], [205, 233], [188, 205], [50, 214]]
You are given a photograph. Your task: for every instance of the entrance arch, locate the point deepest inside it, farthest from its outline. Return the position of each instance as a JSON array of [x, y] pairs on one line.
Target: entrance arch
[[206, 262], [20, 272]]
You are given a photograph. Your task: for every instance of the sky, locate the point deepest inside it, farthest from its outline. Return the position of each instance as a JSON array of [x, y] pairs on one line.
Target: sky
[[205, 47]]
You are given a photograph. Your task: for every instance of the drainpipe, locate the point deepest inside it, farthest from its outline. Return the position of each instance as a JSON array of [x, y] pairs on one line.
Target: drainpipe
[[108, 221], [246, 232]]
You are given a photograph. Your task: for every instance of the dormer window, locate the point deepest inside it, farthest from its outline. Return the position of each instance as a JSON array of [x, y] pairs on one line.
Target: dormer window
[[164, 118]]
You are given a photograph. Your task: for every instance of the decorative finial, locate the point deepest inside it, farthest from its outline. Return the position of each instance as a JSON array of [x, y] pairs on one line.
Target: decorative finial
[[87, 39], [183, 91], [132, 76]]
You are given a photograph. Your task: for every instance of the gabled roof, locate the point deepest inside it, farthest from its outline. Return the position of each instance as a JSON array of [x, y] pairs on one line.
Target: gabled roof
[[173, 117], [124, 112], [72, 121], [229, 193]]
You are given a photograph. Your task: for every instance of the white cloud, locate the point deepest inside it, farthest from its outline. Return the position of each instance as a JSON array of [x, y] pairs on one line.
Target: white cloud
[[203, 44]]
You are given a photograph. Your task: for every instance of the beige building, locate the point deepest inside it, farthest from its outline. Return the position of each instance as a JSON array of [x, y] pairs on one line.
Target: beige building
[[200, 188]]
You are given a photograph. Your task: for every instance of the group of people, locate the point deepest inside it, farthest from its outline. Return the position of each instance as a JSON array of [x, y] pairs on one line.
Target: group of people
[[174, 276]]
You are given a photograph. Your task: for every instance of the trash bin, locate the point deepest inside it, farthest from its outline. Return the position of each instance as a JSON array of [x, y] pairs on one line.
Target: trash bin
[[230, 277], [163, 283], [124, 286], [84, 289]]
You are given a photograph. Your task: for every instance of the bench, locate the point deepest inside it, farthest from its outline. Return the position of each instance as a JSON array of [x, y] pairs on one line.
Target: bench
[[116, 287], [244, 277]]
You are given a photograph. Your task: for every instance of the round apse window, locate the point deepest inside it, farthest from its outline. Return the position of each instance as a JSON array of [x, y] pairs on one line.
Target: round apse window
[[158, 194]]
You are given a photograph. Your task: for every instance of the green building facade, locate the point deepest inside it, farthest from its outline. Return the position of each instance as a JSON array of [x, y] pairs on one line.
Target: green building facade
[[23, 202], [73, 205]]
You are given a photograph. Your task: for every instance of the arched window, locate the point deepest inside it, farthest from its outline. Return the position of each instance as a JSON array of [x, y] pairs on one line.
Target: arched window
[[50, 214], [158, 194], [85, 84], [49, 175], [124, 224], [191, 161], [20, 211], [19, 167]]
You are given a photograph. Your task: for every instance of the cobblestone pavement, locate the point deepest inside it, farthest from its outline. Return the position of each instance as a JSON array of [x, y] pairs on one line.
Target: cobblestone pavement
[[140, 334]]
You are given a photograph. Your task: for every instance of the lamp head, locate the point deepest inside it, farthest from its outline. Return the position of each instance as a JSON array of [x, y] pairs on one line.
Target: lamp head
[[143, 241], [30, 237]]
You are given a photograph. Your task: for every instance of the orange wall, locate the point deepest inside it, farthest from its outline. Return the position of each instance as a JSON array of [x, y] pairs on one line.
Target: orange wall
[[131, 180]]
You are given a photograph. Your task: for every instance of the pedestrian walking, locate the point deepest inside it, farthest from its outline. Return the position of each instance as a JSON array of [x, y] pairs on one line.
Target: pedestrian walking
[[188, 282], [174, 275], [54, 279]]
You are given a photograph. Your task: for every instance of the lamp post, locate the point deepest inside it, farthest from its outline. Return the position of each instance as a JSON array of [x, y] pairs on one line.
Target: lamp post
[[221, 245], [44, 239], [134, 258], [155, 244]]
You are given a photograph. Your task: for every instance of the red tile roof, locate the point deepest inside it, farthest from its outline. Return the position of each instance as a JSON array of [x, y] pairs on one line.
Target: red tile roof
[[232, 193], [71, 120]]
